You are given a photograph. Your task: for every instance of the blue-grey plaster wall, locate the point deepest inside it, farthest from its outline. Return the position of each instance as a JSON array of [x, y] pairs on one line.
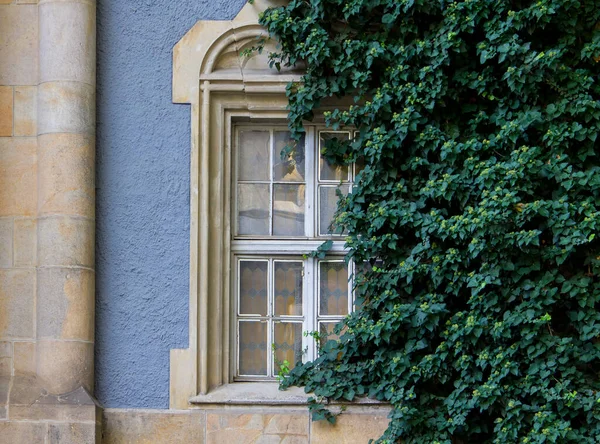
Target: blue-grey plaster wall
[[142, 239]]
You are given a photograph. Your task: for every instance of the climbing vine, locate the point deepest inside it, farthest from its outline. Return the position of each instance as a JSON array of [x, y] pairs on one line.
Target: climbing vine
[[478, 211]]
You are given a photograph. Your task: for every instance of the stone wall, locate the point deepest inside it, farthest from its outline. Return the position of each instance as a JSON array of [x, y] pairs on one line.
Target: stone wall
[[47, 126], [241, 425]]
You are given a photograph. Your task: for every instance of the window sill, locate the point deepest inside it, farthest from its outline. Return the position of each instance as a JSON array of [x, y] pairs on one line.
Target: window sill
[[264, 393]]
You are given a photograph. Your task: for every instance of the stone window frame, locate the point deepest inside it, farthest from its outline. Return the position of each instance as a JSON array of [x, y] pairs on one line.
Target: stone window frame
[[223, 88]]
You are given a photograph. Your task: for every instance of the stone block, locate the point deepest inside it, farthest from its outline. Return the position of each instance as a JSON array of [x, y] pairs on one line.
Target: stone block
[[23, 432], [18, 176], [5, 2], [30, 401], [264, 427], [27, 2], [68, 49], [74, 433], [64, 240], [19, 45], [131, 426], [24, 358], [350, 428], [65, 304], [25, 242], [6, 111], [66, 107], [6, 242], [25, 113], [66, 174], [6, 353], [17, 288], [63, 366]]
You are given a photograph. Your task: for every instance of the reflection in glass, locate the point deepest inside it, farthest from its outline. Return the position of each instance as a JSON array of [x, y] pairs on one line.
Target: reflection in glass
[[254, 155], [288, 288], [328, 171], [326, 332], [288, 343], [253, 287], [327, 206], [253, 348], [333, 288], [292, 168], [288, 210], [253, 208]]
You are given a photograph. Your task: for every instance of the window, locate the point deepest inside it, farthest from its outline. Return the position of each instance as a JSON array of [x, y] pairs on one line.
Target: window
[[283, 210]]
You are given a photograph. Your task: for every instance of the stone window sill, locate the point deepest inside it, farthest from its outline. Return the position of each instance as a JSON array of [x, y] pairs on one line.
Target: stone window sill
[[263, 393]]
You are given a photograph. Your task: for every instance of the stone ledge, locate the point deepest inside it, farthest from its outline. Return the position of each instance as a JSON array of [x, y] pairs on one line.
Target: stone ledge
[[265, 394]]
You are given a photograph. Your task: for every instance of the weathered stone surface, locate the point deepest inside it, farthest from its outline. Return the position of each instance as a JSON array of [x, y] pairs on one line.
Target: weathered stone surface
[[65, 307], [25, 242], [30, 401], [66, 107], [63, 366], [22, 432], [19, 45], [18, 175], [25, 111], [16, 303], [226, 426], [6, 111], [6, 242], [75, 433], [65, 241], [66, 174], [350, 428], [155, 427], [24, 358], [6, 352], [68, 49]]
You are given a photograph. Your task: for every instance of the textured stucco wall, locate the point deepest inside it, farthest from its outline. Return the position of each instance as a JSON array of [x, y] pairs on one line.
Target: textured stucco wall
[[143, 143]]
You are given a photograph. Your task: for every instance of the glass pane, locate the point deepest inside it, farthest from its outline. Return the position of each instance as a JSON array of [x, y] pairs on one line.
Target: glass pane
[[326, 332], [253, 159], [253, 287], [359, 165], [327, 205], [333, 288], [253, 348], [288, 288], [328, 171], [288, 210], [288, 344], [253, 208], [292, 168]]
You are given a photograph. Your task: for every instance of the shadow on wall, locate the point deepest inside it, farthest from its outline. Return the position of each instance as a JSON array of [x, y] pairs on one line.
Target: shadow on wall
[[142, 186]]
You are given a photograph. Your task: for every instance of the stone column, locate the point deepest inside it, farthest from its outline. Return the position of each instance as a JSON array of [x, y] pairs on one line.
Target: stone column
[[66, 137]]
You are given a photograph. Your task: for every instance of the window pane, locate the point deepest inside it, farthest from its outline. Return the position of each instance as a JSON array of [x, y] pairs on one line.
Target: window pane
[[253, 208], [254, 289], [328, 171], [326, 332], [327, 205], [288, 210], [288, 288], [288, 343], [333, 288], [253, 160], [253, 348], [291, 169]]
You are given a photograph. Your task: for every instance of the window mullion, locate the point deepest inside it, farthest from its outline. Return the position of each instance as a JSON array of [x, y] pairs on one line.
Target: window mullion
[[309, 199]]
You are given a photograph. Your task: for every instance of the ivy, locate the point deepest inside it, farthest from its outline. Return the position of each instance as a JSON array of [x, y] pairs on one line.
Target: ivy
[[478, 209]]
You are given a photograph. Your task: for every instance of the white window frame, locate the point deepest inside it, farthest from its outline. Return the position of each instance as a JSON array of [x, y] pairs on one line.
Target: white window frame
[[271, 247]]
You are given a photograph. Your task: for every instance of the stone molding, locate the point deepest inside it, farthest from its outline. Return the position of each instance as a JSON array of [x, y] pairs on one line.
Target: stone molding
[[222, 86]]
